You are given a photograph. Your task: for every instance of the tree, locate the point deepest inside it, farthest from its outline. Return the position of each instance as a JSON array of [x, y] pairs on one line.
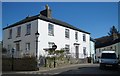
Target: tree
[[112, 31]]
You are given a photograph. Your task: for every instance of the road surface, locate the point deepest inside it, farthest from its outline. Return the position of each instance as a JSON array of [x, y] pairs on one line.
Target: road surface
[[83, 69]]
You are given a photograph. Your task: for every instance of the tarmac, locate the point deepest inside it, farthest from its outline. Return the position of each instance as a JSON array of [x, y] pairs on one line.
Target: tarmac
[[43, 69]]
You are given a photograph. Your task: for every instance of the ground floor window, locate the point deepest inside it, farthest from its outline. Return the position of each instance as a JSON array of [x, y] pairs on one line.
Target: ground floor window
[[50, 44], [17, 46], [84, 51], [27, 46], [67, 48]]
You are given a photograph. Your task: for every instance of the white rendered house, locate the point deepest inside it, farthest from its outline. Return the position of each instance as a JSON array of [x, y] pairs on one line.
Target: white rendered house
[[21, 36]]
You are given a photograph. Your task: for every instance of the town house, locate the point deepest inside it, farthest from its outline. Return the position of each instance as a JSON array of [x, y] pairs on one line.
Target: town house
[[32, 35]]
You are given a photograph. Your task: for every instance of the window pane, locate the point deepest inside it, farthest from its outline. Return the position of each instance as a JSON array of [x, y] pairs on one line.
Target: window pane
[[84, 50], [67, 48], [50, 30], [28, 31], [10, 33], [67, 33], [50, 44], [19, 31], [109, 56], [17, 46], [8, 47], [84, 37], [27, 46], [76, 35]]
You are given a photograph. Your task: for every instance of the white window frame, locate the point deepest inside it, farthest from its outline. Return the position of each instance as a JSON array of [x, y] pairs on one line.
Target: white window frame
[[84, 37], [76, 35], [67, 48], [84, 51], [50, 44], [67, 33], [27, 46], [19, 31], [28, 29], [50, 29], [9, 48], [10, 34], [17, 46]]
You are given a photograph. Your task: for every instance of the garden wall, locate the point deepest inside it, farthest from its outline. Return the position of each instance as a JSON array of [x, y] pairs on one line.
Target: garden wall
[[18, 64]]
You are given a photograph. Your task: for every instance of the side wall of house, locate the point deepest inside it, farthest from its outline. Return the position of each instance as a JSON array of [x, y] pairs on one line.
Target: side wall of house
[[92, 49], [24, 39]]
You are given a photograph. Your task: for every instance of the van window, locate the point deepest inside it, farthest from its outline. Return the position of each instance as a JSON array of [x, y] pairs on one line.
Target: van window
[[109, 55]]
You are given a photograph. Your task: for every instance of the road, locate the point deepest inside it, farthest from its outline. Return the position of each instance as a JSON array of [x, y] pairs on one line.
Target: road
[[83, 69]]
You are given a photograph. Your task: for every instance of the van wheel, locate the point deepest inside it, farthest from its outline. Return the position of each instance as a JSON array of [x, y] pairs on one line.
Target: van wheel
[[102, 66], [116, 66]]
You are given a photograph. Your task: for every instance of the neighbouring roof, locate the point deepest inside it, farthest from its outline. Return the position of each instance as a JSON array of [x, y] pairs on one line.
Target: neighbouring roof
[[105, 41], [91, 39], [52, 20]]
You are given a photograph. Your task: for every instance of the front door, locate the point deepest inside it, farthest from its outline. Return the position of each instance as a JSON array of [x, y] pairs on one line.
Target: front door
[[77, 51]]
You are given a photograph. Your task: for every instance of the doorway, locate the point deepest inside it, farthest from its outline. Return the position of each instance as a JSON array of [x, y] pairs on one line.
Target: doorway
[[77, 51]]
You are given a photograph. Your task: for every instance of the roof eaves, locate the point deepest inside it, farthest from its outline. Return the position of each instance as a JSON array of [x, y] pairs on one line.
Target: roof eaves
[[22, 21], [28, 19], [108, 43], [61, 23]]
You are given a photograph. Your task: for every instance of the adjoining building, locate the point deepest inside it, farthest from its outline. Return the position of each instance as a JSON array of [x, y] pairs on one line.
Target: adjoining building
[[92, 49], [108, 43], [22, 37]]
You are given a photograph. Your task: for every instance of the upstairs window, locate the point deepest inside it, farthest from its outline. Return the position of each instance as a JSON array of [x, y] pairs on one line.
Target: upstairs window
[[84, 37], [28, 29], [67, 33], [10, 34], [50, 30], [18, 31], [76, 35]]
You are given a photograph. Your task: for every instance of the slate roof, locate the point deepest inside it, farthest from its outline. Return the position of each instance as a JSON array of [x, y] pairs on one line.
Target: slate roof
[[91, 39], [52, 20], [105, 41]]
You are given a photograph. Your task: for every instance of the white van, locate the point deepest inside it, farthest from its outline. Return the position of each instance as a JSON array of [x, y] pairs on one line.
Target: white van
[[108, 58]]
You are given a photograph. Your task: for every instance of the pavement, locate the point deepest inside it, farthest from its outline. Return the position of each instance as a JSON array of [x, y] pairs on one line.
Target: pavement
[[44, 69]]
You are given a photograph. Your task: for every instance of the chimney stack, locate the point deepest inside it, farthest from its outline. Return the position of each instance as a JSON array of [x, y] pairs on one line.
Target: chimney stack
[[115, 36], [46, 12]]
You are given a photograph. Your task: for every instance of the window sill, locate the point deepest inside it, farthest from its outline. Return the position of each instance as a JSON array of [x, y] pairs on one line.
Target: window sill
[[9, 38], [67, 38], [27, 34], [50, 35], [76, 40], [17, 36]]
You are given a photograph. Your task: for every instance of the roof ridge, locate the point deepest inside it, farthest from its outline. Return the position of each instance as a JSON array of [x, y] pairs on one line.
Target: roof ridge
[[53, 20]]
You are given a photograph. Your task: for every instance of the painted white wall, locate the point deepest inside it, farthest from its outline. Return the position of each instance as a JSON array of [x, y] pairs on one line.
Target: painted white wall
[[42, 27], [24, 39], [92, 49], [59, 39]]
